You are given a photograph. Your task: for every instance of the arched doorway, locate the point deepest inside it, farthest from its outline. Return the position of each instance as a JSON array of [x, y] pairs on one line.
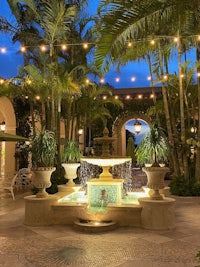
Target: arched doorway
[[119, 130], [129, 127], [7, 115]]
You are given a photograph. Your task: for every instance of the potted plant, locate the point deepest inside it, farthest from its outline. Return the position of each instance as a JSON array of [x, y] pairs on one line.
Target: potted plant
[[154, 150], [43, 150], [71, 161]]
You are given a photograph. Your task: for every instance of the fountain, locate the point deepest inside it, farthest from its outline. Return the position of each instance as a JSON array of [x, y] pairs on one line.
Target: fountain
[[105, 190], [103, 207]]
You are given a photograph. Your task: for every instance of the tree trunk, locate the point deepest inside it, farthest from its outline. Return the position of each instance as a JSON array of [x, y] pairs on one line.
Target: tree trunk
[[197, 164], [168, 120], [182, 114]]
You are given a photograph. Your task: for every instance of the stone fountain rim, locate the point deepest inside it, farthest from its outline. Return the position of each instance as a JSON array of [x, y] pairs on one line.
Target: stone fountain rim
[[106, 160]]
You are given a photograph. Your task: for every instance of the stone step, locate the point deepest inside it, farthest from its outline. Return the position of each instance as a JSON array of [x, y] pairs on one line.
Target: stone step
[[92, 226]]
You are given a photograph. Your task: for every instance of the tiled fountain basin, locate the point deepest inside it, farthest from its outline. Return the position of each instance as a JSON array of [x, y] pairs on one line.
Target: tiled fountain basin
[[142, 212], [49, 211], [123, 215]]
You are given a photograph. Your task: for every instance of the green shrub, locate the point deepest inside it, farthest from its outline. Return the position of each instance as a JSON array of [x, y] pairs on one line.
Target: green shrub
[[198, 257], [195, 188], [55, 181], [180, 186]]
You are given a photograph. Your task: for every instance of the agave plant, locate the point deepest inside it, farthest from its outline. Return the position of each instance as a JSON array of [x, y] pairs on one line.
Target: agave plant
[[153, 148]]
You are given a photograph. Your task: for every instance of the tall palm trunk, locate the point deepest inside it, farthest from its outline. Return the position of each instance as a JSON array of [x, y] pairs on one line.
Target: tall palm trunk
[[167, 117], [182, 114], [197, 165], [43, 115], [68, 119], [32, 118], [151, 74]]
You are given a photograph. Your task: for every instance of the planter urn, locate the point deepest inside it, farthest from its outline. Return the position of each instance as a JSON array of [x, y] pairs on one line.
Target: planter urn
[[155, 180], [70, 172], [42, 180]]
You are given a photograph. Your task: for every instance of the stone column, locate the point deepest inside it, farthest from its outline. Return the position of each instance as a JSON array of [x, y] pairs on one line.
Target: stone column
[[157, 214], [38, 211]]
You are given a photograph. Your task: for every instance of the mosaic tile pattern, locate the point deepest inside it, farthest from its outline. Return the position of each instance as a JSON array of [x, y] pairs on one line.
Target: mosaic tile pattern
[[106, 194], [60, 246]]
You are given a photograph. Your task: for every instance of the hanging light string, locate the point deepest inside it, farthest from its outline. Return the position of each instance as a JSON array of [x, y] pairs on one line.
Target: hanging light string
[[86, 45]]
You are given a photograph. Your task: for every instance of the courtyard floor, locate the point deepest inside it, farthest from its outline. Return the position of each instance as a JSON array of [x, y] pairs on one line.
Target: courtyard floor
[[59, 246]]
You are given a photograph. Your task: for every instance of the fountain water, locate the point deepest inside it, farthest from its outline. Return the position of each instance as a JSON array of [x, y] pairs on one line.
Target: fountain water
[[105, 189]]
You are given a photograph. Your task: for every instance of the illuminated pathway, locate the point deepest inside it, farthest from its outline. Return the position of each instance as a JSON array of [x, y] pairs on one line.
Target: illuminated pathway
[[58, 246]]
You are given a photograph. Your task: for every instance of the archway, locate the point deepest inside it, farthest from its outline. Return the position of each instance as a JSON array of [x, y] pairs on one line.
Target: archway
[[119, 131], [7, 114]]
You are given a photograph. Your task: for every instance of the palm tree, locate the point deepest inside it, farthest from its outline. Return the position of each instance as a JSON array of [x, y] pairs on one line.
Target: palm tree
[[91, 107], [140, 22]]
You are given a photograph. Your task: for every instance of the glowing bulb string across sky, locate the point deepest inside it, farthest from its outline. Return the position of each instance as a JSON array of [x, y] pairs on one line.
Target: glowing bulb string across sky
[[64, 46], [85, 45]]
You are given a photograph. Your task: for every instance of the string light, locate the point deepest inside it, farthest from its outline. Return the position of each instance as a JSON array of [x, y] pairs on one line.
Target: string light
[[64, 47], [1, 81], [152, 96], [3, 50], [152, 42], [85, 45], [87, 81], [43, 48], [23, 49], [176, 39]]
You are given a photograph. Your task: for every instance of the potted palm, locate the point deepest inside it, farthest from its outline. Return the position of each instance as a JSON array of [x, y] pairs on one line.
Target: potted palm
[[71, 161], [43, 150], [154, 150]]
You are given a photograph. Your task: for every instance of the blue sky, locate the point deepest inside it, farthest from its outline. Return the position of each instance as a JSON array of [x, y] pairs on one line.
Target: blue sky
[[11, 60]]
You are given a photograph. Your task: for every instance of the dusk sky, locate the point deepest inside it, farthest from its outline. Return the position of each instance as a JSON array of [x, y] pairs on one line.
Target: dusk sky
[[11, 60]]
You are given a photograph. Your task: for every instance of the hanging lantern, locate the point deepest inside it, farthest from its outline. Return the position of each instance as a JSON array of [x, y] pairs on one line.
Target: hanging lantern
[[137, 126], [3, 126]]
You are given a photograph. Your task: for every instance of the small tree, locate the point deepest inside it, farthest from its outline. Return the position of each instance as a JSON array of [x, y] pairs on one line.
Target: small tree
[[130, 151], [153, 147]]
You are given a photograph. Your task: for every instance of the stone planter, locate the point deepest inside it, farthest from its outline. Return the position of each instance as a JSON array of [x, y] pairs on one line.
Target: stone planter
[[155, 180], [42, 180], [70, 172]]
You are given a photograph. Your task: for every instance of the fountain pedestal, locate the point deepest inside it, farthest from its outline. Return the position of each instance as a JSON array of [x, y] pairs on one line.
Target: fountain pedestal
[[157, 214], [105, 190], [102, 192]]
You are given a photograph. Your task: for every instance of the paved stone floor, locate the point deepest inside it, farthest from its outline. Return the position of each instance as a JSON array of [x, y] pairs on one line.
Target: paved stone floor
[[23, 246]]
